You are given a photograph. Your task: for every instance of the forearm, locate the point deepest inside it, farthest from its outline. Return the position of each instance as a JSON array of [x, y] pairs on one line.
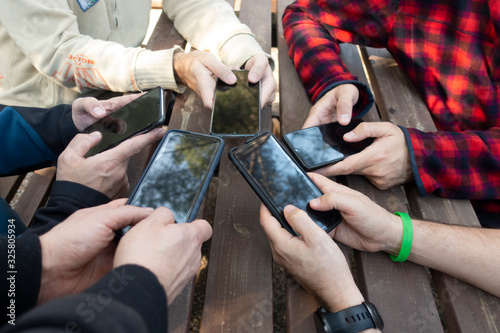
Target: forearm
[[468, 254]]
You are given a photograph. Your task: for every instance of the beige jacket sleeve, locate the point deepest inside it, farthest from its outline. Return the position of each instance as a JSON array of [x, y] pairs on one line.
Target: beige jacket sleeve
[[50, 38], [211, 25]]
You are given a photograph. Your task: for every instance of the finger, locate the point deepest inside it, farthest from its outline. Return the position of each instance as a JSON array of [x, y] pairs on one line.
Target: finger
[[325, 184], [115, 103], [369, 130], [162, 215], [347, 96], [268, 87], [91, 106], [125, 216], [206, 89], [273, 229], [257, 67], [133, 146], [220, 70], [81, 144], [202, 229], [302, 223], [117, 203]]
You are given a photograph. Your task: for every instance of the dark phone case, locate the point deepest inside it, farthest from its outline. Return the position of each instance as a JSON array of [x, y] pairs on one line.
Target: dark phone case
[[162, 116], [264, 197], [205, 185], [229, 134], [298, 157]]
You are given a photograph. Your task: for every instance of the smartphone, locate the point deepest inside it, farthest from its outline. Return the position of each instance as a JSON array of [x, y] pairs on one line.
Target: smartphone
[[279, 181], [178, 174], [236, 110], [318, 146], [139, 116]]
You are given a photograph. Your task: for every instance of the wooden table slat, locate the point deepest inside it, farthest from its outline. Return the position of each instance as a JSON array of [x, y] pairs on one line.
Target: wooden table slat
[[9, 186], [35, 194]]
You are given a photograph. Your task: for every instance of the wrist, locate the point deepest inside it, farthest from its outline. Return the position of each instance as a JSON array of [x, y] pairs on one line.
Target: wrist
[[394, 240], [350, 296], [48, 282]]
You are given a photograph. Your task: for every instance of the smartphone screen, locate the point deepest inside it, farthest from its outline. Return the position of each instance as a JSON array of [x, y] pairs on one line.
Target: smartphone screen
[[279, 181], [179, 174], [142, 114], [236, 110], [322, 145]]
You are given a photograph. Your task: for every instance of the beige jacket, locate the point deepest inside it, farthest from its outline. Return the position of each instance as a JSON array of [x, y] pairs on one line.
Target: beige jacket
[[52, 51]]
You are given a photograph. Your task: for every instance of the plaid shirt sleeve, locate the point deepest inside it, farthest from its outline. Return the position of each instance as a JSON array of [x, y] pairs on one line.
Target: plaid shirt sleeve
[[457, 165], [313, 30]]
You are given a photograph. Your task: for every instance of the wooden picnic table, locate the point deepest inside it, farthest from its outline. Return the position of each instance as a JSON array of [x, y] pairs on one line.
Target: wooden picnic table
[[239, 289]]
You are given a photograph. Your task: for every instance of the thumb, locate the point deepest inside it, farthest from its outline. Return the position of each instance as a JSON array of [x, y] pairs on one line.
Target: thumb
[[301, 222], [82, 143]]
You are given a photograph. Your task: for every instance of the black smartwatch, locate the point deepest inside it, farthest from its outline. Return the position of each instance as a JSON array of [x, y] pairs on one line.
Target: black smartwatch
[[350, 320]]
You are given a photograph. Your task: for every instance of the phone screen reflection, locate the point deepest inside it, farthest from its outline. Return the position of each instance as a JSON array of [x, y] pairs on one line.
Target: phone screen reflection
[[128, 120], [177, 174], [282, 180], [236, 107]]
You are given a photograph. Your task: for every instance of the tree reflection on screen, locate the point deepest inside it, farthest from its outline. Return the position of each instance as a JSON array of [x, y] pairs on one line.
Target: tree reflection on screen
[[176, 176], [276, 175], [236, 107]]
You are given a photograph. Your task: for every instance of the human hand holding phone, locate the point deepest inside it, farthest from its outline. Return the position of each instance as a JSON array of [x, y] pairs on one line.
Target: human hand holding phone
[[385, 163], [318, 146], [142, 114], [170, 250], [335, 105], [279, 181], [236, 110], [88, 110], [313, 259], [105, 172]]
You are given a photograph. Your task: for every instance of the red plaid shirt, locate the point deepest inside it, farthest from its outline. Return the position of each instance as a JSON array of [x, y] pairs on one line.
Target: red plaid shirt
[[450, 50]]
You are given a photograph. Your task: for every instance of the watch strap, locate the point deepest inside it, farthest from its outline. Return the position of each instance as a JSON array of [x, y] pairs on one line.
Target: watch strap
[[350, 320]]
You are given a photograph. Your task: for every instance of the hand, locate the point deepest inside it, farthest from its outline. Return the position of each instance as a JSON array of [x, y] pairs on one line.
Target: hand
[[196, 70], [79, 251], [86, 111], [260, 69], [171, 251], [366, 226], [386, 162], [335, 105], [105, 172], [313, 259]]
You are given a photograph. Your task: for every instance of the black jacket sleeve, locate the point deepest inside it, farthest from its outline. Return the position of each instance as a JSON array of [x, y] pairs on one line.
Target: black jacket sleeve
[[65, 199], [20, 275], [128, 299], [33, 138]]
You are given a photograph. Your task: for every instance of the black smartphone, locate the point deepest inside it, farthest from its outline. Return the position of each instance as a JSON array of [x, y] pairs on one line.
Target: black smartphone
[[318, 146], [279, 181], [178, 174], [236, 110], [139, 116]]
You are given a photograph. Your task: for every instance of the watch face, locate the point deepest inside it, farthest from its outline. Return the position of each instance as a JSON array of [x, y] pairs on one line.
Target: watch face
[[377, 319], [320, 322]]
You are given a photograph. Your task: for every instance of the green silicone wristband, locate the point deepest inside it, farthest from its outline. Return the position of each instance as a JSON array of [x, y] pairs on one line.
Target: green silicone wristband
[[407, 238]]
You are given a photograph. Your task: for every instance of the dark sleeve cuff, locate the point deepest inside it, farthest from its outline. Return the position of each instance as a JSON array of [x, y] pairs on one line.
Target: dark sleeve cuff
[[365, 100], [128, 299], [21, 276], [139, 289], [65, 199], [413, 161]]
